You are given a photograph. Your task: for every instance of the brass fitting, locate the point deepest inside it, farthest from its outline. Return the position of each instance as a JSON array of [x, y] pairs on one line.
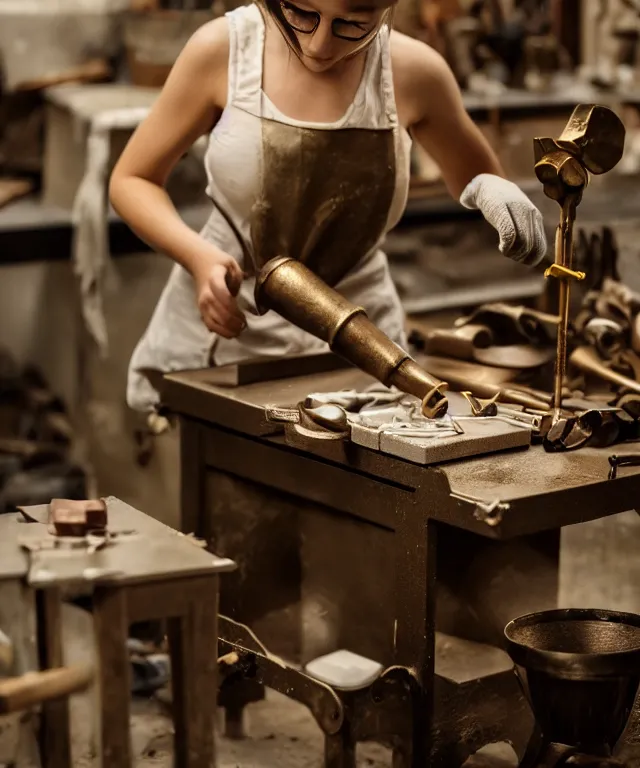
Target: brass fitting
[[563, 273], [291, 289], [592, 142]]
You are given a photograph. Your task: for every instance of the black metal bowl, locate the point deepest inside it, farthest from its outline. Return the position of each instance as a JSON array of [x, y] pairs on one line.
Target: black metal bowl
[[580, 670], [576, 643]]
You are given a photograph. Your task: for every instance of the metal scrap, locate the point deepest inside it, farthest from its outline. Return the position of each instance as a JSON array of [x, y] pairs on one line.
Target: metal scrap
[[489, 512], [625, 460]]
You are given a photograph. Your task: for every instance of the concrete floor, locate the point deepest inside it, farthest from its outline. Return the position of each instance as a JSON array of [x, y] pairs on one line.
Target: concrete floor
[[280, 733]]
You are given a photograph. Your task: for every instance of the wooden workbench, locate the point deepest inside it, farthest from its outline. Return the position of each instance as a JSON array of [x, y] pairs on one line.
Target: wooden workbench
[[149, 572], [349, 551]]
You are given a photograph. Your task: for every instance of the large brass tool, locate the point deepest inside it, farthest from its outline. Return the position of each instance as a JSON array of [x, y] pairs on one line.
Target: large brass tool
[[592, 142], [292, 290]]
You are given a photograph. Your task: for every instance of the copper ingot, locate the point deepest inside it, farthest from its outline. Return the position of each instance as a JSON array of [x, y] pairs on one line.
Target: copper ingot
[[287, 287]]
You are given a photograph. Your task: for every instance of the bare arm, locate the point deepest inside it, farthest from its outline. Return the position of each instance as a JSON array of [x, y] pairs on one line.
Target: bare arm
[[188, 107], [438, 119], [184, 111], [430, 103]]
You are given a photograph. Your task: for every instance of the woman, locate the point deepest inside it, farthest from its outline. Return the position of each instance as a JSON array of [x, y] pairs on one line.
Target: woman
[[311, 106]]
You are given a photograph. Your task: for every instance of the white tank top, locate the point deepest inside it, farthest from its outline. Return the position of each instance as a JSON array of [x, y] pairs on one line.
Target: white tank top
[[176, 338]]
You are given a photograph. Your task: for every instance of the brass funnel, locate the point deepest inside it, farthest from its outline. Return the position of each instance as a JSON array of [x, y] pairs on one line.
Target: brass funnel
[[292, 290]]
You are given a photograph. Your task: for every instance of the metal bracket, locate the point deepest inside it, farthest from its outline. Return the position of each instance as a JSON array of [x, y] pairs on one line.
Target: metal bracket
[[489, 512], [563, 273], [254, 661], [626, 460]]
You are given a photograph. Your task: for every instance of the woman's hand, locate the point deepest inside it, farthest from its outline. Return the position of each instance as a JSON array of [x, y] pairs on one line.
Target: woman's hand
[[434, 110], [509, 211], [218, 281]]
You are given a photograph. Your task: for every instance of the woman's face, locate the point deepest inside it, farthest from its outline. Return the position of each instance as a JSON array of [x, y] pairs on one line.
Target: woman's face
[[329, 30]]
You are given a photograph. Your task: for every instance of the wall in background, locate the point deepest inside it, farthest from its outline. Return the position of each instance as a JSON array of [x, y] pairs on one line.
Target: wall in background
[[39, 324]]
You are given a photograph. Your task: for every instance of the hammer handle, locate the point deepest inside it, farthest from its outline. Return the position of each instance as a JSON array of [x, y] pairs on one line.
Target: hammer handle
[[233, 284], [20, 693]]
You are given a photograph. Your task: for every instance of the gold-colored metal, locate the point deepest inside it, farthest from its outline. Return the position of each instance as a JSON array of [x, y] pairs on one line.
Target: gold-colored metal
[[587, 360], [315, 201], [482, 408], [592, 142], [557, 270], [288, 287]]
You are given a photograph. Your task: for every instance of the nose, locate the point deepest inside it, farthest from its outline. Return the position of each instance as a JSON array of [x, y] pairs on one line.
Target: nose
[[321, 42]]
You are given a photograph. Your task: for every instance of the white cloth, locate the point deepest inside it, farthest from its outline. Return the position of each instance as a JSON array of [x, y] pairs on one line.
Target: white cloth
[[89, 215], [176, 338], [506, 207]]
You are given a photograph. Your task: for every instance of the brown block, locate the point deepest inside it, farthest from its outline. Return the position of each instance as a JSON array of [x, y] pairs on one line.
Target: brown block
[[76, 518]]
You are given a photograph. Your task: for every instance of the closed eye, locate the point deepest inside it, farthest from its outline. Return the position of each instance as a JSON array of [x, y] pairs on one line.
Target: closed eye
[[308, 15]]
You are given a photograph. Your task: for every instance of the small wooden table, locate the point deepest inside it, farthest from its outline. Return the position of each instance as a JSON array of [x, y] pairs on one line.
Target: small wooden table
[[149, 572], [364, 542]]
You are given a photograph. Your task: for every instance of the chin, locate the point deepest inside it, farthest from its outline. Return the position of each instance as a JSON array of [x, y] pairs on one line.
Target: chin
[[318, 65]]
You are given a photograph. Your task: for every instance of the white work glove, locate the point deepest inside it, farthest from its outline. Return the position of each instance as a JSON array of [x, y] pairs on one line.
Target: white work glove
[[506, 207]]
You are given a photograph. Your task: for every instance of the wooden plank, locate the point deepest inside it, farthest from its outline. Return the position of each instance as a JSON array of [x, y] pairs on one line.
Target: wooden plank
[[111, 630], [150, 602], [145, 551], [192, 643], [12, 189], [55, 734]]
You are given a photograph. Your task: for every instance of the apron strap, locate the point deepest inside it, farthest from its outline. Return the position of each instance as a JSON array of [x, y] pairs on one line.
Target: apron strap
[[246, 45]]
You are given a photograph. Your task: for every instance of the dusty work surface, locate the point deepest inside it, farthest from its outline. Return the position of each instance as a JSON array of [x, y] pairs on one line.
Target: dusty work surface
[[145, 550], [540, 490]]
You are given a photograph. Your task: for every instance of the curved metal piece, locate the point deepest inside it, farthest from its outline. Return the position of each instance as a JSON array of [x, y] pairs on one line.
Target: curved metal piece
[[394, 679], [586, 359], [257, 663], [291, 289]]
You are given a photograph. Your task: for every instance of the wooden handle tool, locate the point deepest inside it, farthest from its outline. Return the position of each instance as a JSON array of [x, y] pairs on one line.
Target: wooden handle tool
[[20, 693]]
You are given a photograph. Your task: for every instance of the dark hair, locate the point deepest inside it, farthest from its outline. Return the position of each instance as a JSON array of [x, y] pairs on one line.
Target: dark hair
[[274, 9]]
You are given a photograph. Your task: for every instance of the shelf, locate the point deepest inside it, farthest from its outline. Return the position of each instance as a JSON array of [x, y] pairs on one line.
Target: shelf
[[32, 231], [562, 99]]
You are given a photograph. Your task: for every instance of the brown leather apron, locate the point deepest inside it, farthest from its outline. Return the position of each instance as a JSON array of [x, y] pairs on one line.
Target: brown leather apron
[[325, 196]]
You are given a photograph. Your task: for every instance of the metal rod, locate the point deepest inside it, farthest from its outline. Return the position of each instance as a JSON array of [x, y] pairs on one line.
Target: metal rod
[[564, 258]]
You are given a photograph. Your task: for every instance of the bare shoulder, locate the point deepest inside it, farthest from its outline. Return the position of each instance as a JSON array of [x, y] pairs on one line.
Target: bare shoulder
[[409, 53], [420, 73], [211, 38], [205, 57]]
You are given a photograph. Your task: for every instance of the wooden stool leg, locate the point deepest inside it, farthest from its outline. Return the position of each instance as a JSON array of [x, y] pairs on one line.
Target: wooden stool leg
[[192, 643], [234, 723], [340, 749], [111, 630], [55, 735], [234, 697]]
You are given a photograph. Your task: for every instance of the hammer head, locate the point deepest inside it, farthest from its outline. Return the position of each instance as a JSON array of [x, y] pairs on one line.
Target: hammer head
[[594, 136]]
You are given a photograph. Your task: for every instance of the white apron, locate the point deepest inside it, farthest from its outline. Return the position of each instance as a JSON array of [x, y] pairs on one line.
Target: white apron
[[261, 199]]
